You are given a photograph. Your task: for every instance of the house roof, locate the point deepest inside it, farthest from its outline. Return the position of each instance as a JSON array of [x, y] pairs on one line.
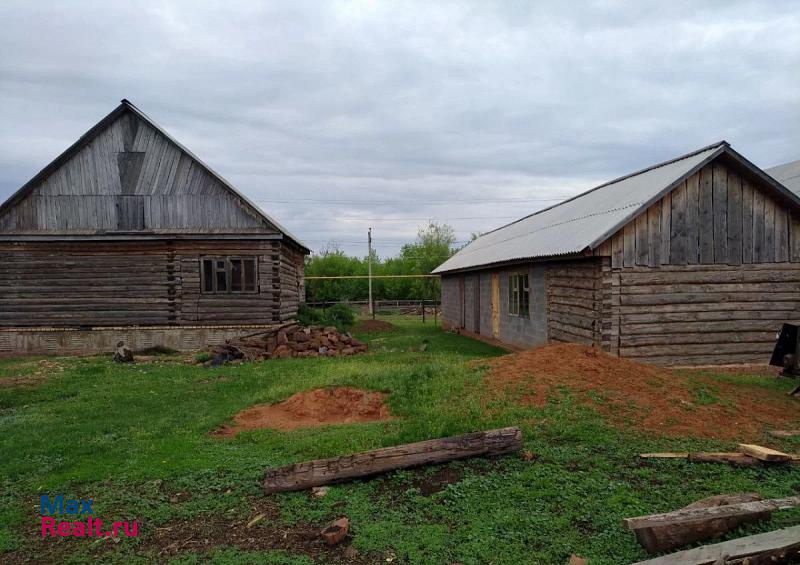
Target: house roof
[[585, 221], [788, 174], [126, 105]]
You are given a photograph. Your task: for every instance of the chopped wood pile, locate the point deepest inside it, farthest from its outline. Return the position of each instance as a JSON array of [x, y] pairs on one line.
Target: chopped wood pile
[[291, 340]]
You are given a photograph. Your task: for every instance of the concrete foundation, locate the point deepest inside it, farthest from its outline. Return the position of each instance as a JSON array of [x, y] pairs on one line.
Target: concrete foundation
[[62, 341]]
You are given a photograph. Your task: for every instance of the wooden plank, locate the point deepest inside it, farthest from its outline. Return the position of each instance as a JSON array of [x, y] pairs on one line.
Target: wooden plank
[[781, 234], [769, 230], [733, 549], [720, 190], [693, 219], [734, 219], [309, 474], [784, 433], [666, 227], [654, 235], [642, 239], [629, 245], [737, 459], [700, 515], [665, 455], [677, 242], [758, 226], [666, 538], [763, 453], [706, 209]]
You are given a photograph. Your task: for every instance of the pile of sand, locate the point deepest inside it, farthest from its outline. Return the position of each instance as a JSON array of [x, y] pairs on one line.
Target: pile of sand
[[644, 397], [318, 407], [370, 326]]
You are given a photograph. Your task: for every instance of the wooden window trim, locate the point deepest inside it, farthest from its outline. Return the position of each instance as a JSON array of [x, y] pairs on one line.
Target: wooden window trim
[[519, 295], [228, 270]]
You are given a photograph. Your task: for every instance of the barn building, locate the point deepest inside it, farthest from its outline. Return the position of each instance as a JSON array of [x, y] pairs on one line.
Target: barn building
[[128, 229], [787, 174], [692, 261]]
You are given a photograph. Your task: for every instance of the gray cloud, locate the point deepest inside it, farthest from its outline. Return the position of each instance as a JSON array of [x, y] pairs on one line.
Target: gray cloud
[[435, 107]]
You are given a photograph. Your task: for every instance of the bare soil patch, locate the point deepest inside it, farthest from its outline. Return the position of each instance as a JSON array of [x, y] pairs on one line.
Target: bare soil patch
[[374, 326], [38, 372], [318, 407], [645, 397]]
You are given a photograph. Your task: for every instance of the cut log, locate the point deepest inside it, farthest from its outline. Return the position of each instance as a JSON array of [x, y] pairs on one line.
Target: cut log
[[738, 459], [756, 546], [668, 455], [665, 538], [702, 515], [337, 469], [784, 433], [763, 453]]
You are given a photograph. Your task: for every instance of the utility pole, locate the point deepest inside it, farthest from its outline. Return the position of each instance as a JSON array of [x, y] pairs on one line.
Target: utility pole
[[369, 271]]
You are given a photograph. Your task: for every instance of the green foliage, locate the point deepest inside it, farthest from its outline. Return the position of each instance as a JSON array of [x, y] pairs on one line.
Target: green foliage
[[202, 357], [435, 243], [339, 315], [133, 436]]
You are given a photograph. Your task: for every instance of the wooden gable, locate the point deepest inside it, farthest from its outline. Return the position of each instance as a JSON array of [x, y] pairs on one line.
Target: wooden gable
[[128, 176], [718, 215]]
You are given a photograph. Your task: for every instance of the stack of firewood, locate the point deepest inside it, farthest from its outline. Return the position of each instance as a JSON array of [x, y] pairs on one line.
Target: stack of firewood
[[290, 340]]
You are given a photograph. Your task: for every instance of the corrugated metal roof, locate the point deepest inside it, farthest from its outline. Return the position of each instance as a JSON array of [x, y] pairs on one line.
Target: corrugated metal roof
[[583, 221], [788, 175]]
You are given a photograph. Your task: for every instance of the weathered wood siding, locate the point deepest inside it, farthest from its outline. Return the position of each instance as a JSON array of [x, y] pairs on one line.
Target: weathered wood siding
[[704, 314], [137, 283], [291, 281], [130, 177], [716, 216], [706, 275], [575, 300]]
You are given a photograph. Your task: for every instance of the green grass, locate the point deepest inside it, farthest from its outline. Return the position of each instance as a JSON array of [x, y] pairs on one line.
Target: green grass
[[133, 436]]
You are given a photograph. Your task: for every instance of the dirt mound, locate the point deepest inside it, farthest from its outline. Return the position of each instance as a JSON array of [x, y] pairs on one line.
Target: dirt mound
[[318, 407], [641, 396], [370, 326]]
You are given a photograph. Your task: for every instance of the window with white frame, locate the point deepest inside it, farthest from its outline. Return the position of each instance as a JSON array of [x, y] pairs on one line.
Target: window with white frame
[[518, 294]]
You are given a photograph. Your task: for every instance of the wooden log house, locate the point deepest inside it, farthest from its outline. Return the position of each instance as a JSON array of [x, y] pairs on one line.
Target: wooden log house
[[128, 229], [692, 261]]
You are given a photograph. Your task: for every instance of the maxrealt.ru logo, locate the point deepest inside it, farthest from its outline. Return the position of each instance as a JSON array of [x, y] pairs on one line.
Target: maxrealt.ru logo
[[91, 527]]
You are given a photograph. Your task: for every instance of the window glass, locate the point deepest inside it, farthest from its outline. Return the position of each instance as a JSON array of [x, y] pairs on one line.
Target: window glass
[[249, 275], [236, 275], [229, 274]]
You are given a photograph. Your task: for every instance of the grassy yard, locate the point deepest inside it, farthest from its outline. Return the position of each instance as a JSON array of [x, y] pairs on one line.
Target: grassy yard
[[136, 440]]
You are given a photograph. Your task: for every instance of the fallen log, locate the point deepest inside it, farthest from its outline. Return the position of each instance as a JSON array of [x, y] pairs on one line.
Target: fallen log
[[664, 538], [764, 453], [701, 515], [750, 547], [309, 474], [784, 433], [738, 459]]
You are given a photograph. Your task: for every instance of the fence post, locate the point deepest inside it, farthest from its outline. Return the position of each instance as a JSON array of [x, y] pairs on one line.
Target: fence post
[[422, 302]]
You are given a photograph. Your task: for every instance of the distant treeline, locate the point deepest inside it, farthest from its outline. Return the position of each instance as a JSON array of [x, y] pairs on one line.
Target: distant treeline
[[434, 245]]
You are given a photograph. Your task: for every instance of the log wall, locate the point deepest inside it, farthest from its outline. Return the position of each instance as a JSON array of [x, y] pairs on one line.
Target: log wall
[[575, 300], [72, 284], [703, 314]]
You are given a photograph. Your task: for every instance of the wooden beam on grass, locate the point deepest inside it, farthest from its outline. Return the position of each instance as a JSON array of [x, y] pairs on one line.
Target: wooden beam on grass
[[702, 515], [764, 453], [734, 458], [784, 433], [738, 551], [338, 469]]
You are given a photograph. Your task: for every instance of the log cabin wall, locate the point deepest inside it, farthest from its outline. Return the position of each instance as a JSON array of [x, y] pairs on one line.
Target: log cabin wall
[[575, 300], [69, 284], [291, 281], [706, 275]]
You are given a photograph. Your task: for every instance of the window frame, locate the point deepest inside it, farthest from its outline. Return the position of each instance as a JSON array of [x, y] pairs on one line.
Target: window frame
[[228, 269], [519, 294]]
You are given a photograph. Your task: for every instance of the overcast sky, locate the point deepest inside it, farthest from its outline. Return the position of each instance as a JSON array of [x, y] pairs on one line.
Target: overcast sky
[[336, 116]]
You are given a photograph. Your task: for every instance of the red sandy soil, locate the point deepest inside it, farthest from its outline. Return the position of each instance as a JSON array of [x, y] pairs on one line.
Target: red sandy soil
[[318, 407], [370, 326], [644, 397]]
